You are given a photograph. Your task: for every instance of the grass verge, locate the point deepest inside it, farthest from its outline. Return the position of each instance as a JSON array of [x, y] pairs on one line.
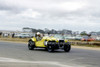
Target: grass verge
[[74, 43], [24, 40]]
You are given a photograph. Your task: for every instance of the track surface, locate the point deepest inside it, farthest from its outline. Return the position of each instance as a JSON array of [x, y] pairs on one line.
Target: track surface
[[18, 55]]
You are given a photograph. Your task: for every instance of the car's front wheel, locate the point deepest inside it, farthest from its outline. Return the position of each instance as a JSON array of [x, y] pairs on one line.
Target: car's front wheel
[[31, 45], [50, 48]]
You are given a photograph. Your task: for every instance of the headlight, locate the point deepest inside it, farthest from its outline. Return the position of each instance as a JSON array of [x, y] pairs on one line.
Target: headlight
[[65, 41], [57, 41], [45, 43]]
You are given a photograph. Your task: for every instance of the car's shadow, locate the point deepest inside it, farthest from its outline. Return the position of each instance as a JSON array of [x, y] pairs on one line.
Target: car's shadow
[[55, 51]]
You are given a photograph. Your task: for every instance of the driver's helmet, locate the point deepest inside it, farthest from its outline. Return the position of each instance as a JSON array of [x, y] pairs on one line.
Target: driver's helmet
[[38, 34]]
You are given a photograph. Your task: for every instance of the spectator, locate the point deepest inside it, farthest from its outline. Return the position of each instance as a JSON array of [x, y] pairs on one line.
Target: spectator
[[13, 35], [0, 34]]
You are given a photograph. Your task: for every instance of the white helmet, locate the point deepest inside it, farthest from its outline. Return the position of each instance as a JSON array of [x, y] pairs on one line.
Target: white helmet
[[38, 33]]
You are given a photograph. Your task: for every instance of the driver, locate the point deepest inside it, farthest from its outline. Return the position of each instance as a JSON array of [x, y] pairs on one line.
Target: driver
[[38, 36]]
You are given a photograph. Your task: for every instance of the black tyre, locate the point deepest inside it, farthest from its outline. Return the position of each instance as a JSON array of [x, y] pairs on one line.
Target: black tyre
[[50, 48], [31, 45], [67, 47], [46, 49]]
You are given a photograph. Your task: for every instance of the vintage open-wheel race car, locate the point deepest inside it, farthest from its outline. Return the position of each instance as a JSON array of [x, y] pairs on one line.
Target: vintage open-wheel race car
[[50, 43]]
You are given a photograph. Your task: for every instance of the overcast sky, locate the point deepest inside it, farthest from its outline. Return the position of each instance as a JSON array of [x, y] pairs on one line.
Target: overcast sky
[[76, 15]]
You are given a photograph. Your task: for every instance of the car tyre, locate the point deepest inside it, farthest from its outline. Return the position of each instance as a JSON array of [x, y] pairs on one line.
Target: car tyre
[[50, 48], [67, 47], [31, 45]]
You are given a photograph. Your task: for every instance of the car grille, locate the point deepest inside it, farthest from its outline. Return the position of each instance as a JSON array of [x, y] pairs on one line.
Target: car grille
[[52, 42], [61, 43], [61, 40]]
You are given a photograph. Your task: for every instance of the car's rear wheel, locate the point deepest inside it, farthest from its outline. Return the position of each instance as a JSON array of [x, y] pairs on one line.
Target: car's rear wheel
[[31, 45], [67, 47]]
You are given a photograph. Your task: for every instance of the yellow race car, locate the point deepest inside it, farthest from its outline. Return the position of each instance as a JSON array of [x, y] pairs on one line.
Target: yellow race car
[[50, 43]]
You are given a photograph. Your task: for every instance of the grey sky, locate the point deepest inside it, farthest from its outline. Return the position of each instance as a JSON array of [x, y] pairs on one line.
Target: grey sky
[[77, 15]]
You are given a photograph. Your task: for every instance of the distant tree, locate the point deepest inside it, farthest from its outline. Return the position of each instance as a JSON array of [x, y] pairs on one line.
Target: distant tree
[[53, 31], [41, 31], [26, 28], [98, 33], [83, 33], [34, 30], [46, 30], [89, 35]]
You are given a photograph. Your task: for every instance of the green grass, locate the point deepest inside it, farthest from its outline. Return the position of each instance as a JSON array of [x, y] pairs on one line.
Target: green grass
[[14, 39]]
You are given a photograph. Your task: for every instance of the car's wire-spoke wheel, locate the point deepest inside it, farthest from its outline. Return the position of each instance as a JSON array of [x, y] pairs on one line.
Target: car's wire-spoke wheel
[[31, 45], [67, 47], [50, 48]]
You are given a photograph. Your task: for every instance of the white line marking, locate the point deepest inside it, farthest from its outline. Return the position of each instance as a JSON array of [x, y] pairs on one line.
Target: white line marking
[[9, 60]]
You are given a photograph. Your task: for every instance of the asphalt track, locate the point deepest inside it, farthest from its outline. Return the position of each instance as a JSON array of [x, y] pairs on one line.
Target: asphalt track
[[18, 55]]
